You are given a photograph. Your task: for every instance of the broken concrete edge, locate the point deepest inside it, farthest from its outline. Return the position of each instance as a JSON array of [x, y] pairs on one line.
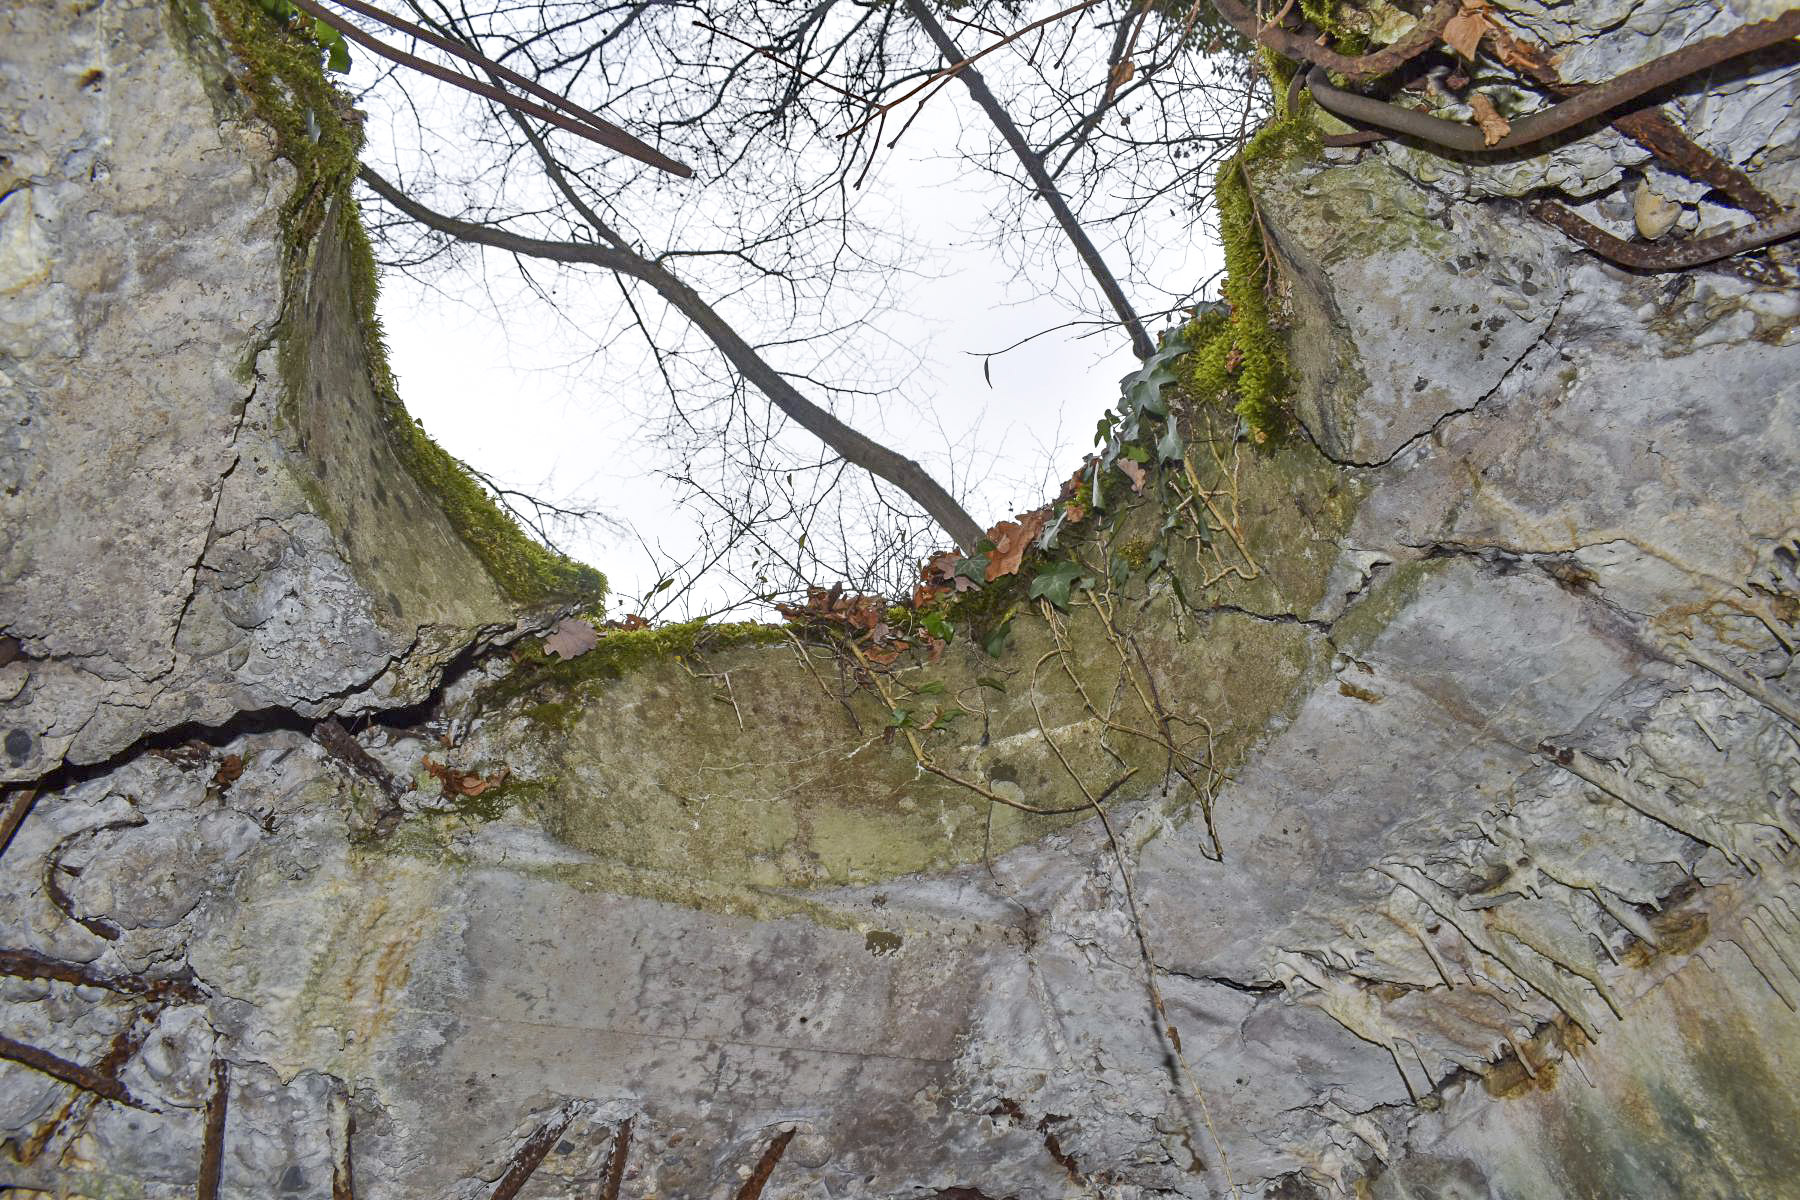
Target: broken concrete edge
[[275, 75], [800, 771]]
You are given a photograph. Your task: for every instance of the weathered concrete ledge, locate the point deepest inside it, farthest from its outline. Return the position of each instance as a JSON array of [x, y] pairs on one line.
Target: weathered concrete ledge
[[1447, 747]]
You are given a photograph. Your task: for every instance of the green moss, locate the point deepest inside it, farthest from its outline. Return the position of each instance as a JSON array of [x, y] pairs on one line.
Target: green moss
[[1135, 553], [283, 80], [1240, 355], [527, 572], [558, 687]]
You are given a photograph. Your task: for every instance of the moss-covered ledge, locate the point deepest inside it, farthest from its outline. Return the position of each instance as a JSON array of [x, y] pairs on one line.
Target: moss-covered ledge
[[803, 764], [422, 536]]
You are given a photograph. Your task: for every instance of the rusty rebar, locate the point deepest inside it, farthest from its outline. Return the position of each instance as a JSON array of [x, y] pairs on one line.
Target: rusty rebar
[[29, 964], [526, 1159], [615, 1168], [17, 809], [72, 1073], [1297, 46], [212, 1141], [765, 1167], [1558, 118], [1676, 256]]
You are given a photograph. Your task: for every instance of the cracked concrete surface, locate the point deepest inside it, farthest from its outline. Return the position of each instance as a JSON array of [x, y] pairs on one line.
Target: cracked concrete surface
[[1496, 896]]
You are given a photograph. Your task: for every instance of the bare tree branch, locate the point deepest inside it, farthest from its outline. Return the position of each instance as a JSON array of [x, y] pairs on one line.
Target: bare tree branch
[[855, 447]]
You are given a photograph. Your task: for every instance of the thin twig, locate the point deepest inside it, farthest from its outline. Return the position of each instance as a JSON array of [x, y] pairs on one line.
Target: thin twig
[[587, 126], [1151, 970], [960, 65]]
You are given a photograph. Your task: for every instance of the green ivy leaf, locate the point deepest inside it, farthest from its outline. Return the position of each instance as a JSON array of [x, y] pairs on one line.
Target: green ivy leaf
[[900, 718], [337, 53], [1168, 446], [988, 681], [937, 626], [930, 687], [973, 568], [996, 641], [1057, 580]]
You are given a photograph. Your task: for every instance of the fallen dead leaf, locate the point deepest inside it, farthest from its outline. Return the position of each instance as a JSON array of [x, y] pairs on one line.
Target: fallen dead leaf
[[571, 638], [1464, 31], [229, 770], [1011, 539], [475, 785], [1493, 125], [457, 782]]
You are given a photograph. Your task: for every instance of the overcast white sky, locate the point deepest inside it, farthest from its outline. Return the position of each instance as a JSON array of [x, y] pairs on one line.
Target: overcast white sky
[[501, 386]]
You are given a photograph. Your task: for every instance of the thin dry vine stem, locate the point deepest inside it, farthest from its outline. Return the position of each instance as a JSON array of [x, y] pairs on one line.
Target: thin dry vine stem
[[1153, 705], [1154, 711], [923, 759], [1151, 969]]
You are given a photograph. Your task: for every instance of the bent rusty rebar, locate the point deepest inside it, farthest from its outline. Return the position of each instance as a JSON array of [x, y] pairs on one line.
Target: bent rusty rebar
[[1677, 256], [17, 809], [72, 1073], [29, 964], [1558, 118], [1286, 42]]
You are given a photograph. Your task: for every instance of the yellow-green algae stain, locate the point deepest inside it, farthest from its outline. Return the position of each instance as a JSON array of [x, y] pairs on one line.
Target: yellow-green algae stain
[[736, 776], [736, 768]]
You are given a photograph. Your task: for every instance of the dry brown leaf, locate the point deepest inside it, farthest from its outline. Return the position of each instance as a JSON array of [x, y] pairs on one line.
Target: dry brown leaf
[[229, 770], [939, 568], [571, 638], [1135, 473], [475, 785], [1463, 32], [1493, 125], [464, 783], [886, 658], [1011, 539], [1123, 73]]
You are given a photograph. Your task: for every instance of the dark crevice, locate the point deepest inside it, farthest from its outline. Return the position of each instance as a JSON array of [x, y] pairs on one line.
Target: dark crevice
[[1271, 618], [191, 737]]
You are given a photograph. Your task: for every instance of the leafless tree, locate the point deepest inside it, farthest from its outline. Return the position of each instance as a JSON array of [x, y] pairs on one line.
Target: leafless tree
[[782, 109]]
